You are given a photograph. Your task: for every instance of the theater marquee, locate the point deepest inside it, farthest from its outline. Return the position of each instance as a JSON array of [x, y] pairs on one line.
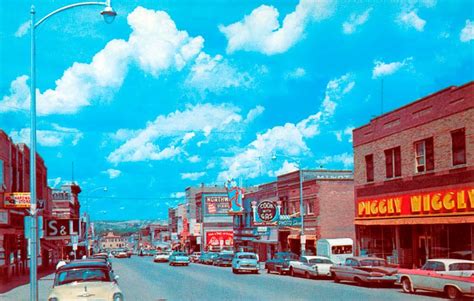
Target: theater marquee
[[457, 201]]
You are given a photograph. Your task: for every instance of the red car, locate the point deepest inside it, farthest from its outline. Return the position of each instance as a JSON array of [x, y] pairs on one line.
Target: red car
[[454, 277]]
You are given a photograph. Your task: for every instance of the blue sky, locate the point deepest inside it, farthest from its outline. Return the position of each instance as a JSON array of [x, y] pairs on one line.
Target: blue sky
[[178, 93]]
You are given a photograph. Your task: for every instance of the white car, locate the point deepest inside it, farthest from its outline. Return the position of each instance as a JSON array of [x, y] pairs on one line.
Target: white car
[[454, 277], [83, 279], [311, 266], [161, 257]]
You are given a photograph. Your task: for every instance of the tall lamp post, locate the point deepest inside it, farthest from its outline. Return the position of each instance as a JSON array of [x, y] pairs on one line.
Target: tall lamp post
[[300, 173], [109, 14], [87, 216]]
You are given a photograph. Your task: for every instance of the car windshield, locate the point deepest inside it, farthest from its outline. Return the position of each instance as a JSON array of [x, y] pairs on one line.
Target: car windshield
[[226, 256], [320, 260], [82, 275], [247, 256], [286, 256], [373, 262], [179, 254], [162, 253]]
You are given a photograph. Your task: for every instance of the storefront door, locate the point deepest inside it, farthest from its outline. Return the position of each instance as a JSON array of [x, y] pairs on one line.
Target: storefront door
[[424, 248]]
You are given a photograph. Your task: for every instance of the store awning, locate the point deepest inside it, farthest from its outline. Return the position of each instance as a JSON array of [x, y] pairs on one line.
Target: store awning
[[429, 220]]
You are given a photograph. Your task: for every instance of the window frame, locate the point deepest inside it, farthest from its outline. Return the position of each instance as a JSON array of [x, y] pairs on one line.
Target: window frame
[[394, 162], [463, 150], [369, 172], [427, 155]]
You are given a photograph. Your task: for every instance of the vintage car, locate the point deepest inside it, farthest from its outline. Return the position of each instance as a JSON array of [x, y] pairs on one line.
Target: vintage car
[[454, 277], [179, 258], [121, 255], [280, 262], [245, 262], [195, 257], [83, 279], [311, 266], [223, 259], [365, 270], [208, 258], [161, 257]]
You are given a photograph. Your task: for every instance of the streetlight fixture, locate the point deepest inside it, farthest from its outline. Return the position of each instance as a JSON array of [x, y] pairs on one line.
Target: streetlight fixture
[[300, 174], [109, 14]]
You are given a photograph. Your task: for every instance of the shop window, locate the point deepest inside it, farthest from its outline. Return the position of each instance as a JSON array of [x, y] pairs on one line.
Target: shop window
[[424, 155], [369, 167], [393, 162], [458, 139]]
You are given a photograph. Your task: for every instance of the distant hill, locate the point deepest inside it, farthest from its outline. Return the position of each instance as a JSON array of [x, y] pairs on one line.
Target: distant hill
[[123, 227]]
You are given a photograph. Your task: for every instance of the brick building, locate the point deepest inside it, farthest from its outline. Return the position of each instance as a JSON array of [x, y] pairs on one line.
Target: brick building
[[15, 178], [414, 180], [328, 202]]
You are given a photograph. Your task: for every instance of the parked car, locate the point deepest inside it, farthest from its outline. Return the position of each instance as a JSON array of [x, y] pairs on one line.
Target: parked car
[[121, 255], [365, 270], [224, 259], [161, 257], [83, 279], [207, 258], [280, 262], [245, 262], [129, 253], [195, 257], [311, 266], [179, 258], [454, 277]]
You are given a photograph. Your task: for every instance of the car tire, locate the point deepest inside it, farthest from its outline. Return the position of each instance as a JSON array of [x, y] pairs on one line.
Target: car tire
[[452, 292], [268, 271], [235, 271], [407, 286], [292, 272], [334, 277]]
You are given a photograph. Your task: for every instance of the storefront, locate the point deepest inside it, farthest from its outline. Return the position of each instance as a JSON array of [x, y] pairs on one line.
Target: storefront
[[409, 228]]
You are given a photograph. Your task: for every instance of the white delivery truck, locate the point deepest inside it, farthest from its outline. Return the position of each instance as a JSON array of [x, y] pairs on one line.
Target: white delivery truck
[[336, 249]]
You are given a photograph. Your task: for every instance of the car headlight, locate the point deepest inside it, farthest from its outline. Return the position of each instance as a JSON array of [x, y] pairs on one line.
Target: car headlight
[[118, 297], [53, 299]]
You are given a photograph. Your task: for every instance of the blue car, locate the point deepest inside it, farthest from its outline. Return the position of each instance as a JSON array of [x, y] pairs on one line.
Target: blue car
[[179, 258], [245, 262]]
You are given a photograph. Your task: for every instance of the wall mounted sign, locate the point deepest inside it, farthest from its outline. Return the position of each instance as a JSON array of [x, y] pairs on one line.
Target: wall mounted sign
[[456, 201], [266, 212], [235, 194], [17, 200], [217, 204]]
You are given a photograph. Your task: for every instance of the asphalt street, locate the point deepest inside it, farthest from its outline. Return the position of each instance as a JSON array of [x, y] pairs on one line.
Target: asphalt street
[[142, 279]]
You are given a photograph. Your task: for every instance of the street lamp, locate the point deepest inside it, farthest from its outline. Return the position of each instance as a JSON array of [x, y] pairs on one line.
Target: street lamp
[[87, 216], [109, 14], [300, 173]]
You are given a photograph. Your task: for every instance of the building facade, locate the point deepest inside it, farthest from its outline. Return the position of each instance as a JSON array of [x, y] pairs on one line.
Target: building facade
[[328, 204], [112, 242], [414, 180]]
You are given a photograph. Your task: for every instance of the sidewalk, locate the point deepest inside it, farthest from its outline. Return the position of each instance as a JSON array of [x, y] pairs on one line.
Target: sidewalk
[[23, 279]]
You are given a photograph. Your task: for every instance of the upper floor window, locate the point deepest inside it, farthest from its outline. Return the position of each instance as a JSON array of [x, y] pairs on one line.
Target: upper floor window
[[424, 155], [458, 138], [393, 162], [369, 167], [1, 173], [309, 208]]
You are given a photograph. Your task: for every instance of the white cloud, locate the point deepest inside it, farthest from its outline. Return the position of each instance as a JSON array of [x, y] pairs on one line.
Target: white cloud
[[348, 132], [201, 118], [383, 69], [338, 135], [112, 173], [297, 73], [49, 138], [254, 113], [155, 45], [194, 159], [350, 26], [287, 167], [178, 195], [192, 175], [53, 183], [467, 33], [411, 19], [261, 30], [214, 74], [346, 159], [287, 140], [23, 29], [187, 137]]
